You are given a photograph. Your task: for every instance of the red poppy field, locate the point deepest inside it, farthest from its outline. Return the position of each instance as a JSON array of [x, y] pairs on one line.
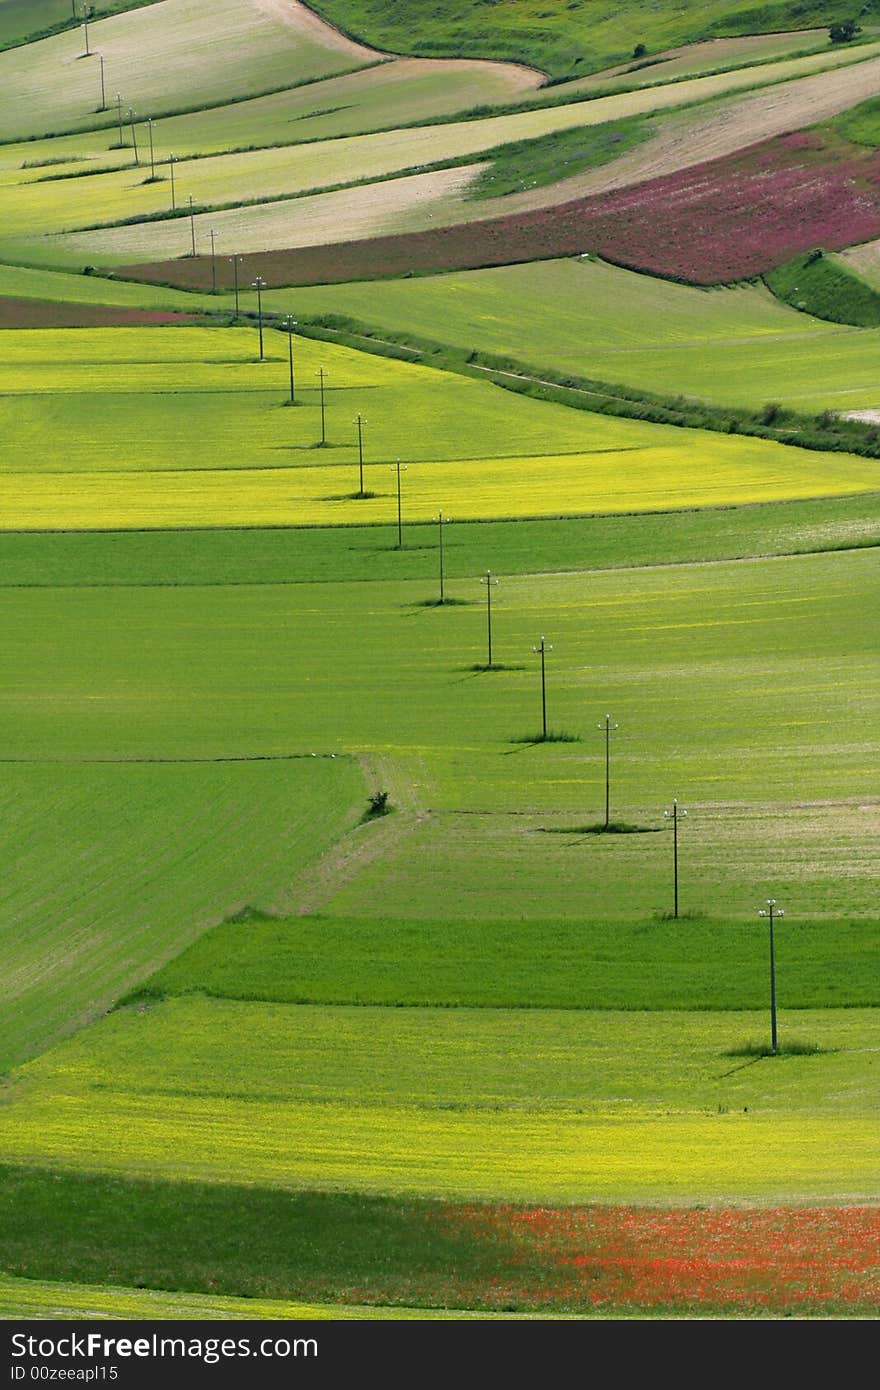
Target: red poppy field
[[734, 1261]]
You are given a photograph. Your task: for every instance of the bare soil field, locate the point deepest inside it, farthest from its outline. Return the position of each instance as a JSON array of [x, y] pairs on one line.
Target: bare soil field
[[41, 313]]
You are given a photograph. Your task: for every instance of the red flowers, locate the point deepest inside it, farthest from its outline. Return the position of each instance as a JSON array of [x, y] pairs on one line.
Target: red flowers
[[740, 1260]]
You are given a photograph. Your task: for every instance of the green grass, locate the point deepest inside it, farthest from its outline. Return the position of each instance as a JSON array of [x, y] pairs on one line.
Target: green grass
[[256, 1244], [822, 286], [549, 158], [562, 313], [682, 657], [563, 39], [527, 962], [455, 1102], [730, 348], [861, 124], [113, 867], [364, 553], [266, 670]]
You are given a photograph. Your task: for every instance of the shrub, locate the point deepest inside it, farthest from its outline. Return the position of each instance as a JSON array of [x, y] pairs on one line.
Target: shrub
[[769, 413], [378, 804], [844, 31]]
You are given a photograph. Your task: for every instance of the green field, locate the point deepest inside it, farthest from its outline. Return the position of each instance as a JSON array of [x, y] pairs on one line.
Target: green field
[[364, 553], [330, 1098], [580, 962], [84, 917], [32, 1298], [351, 967], [731, 347]]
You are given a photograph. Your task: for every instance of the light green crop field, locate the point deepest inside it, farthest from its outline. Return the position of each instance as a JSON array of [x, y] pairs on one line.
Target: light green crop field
[[559, 313], [113, 866], [733, 347], [782, 800], [382, 97], [51, 86], [64, 287], [455, 1102], [470, 448], [35, 1298]]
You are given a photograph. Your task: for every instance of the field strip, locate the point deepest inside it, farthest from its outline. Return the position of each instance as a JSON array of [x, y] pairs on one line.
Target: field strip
[[325, 1146], [361, 211], [653, 478], [36, 1298], [864, 260], [702, 58]]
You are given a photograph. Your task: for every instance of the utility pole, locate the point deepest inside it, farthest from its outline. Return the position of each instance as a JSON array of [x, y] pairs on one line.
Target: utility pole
[[291, 325], [259, 285], [400, 467], [119, 119], [213, 263], [441, 522], [192, 224], [608, 728], [360, 424], [768, 912], [675, 815], [235, 264], [133, 137], [320, 375], [152, 156], [543, 648], [489, 582], [87, 10], [103, 106], [172, 160]]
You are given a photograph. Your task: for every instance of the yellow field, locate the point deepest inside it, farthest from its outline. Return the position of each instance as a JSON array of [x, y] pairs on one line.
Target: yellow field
[[703, 472], [622, 1152]]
